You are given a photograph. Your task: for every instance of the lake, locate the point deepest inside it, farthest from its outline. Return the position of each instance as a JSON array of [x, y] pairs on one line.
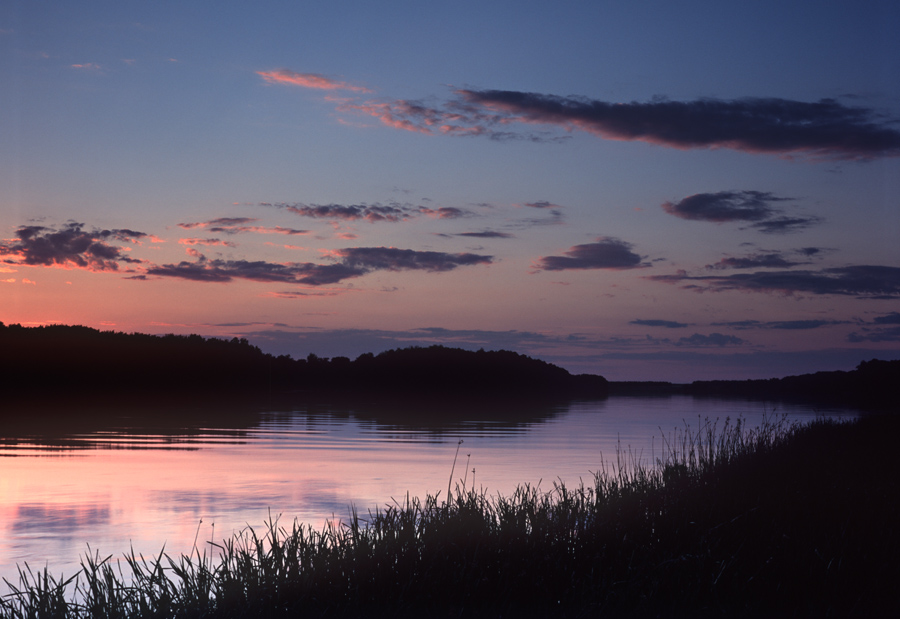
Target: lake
[[143, 476]]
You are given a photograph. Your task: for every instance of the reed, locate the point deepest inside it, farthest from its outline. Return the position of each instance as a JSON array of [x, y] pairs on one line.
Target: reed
[[780, 519]]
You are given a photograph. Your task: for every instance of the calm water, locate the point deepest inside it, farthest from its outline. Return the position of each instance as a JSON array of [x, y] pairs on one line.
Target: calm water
[[140, 477]]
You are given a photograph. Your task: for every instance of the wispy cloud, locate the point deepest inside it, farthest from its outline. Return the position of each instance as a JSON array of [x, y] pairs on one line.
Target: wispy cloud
[[668, 324], [220, 221], [783, 225], [542, 204], [206, 242], [763, 260], [239, 225], [372, 213], [789, 325], [483, 234], [881, 335], [604, 253], [862, 281], [70, 246], [308, 80], [713, 339], [886, 329]]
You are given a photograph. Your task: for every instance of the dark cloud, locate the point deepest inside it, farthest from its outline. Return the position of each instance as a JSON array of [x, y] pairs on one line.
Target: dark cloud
[[881, 333], [542, 204], [725, 206], [863, 281], [352, 212], [605, 253], [760, 207], [783, 225], [393, 259], [69, 246], [779, 324], [770, 260], [824, 129], [888, 319], [445, 212], [803, 324], [204, 270], [713, 339], [354, 262], [891, 334], [371, 213], [485, 234], [668, 324]]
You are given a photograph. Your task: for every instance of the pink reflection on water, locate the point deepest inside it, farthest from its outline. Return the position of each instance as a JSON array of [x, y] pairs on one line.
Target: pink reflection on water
[[116, 490]]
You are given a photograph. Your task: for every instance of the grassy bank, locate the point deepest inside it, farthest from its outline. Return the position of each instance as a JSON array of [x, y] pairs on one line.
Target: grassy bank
[[776, 521]]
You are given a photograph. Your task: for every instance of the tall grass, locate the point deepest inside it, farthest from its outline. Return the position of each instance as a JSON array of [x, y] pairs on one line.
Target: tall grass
[[719, 526]]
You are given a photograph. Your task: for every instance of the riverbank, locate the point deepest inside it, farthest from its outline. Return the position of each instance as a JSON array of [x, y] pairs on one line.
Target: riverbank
[[791, 521]]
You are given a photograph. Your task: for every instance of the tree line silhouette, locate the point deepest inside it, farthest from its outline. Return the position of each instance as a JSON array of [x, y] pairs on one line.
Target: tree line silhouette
[[873, 384], [57, 360]]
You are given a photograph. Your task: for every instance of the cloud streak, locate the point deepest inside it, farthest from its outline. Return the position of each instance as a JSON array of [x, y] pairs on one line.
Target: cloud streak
[[372, 213], [239, 225], [862, 281], [765, 260], [307, 80], [788, 325], [351, 262], [668, 324]]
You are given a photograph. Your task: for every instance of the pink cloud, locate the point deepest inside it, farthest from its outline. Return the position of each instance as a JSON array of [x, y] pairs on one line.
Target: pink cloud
[[307, 80], [389, 114]]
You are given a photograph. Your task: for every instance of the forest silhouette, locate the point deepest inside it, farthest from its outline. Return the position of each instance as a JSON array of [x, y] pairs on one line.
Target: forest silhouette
[[61, 360]]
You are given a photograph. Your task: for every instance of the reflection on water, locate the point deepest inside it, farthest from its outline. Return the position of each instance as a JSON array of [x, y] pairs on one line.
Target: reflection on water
[[126, 477]]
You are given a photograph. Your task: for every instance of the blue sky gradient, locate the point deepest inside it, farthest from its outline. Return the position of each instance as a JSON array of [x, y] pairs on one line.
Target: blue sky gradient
[[650, 191]]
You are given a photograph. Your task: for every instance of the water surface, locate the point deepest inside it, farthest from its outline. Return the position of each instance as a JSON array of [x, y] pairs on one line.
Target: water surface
[[143, 477]]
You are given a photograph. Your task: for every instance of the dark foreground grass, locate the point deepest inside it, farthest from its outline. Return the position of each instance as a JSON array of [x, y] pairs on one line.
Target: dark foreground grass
[[782, 520]]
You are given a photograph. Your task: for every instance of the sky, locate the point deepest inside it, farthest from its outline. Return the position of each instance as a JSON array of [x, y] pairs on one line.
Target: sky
[[643, 190]]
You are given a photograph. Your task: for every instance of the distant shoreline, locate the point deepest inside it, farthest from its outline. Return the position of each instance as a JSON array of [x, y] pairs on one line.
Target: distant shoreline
[[60, 361], [871, 386]]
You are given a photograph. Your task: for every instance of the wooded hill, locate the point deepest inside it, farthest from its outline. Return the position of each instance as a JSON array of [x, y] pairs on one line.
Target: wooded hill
[[58, 360]]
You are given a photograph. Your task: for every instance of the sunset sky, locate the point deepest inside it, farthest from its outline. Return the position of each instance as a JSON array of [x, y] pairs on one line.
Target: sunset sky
[[644, 190]]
